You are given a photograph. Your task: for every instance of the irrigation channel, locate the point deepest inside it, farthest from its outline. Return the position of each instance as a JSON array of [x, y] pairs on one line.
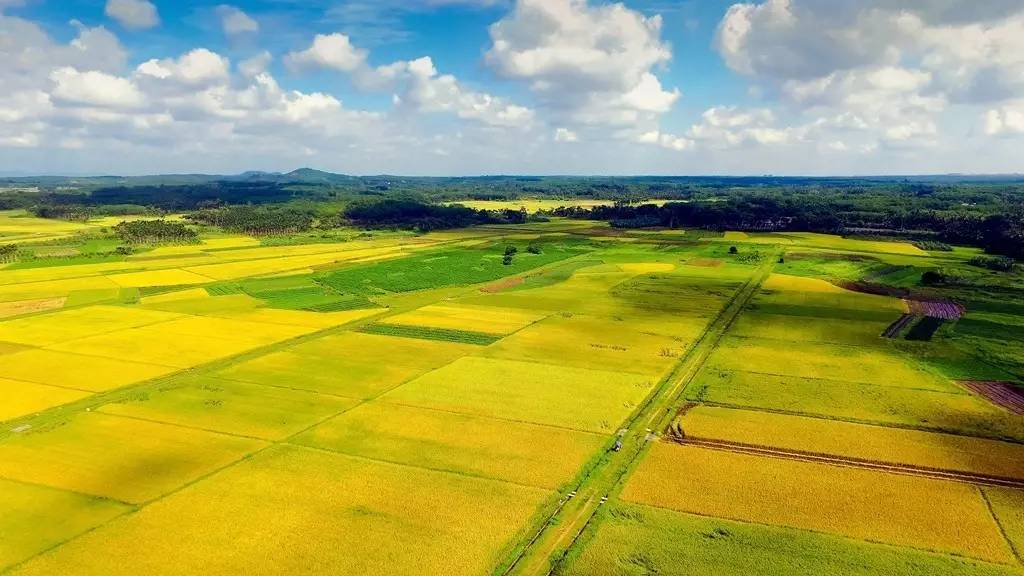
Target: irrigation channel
[[577, 510]]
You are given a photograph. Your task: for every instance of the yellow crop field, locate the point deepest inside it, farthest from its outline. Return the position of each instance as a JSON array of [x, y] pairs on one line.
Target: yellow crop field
[[66, 370], [795, 290], [255, 333], [154, 344], [216, 243], [647, 267], [827, 361], [532, 205], [873, 443], [384, 350], [516, 452], [271, 265], [485, 319], [1008, 506], [934, 410], [799, 329], [19, 399], [313, 320], [589, 400], [268, 412], [120, 458], [27, 524], [591, 342], [193, 294], [53, 289], [367, 517], [9, 309], [786, 283], [341, 375], [902, 510], [78, 323], [172, 277]]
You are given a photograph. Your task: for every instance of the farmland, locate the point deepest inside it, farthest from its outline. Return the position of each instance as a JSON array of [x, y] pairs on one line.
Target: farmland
[[553, 397]]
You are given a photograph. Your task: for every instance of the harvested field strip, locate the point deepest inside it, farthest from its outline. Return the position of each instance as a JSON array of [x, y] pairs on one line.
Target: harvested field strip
[[425, 333], [895, 509], [862, 442], [897, 327], [1003, 394], [846, 461]]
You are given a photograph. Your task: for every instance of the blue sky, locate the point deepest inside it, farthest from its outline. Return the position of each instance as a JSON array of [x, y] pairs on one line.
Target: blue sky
[[444, 87]]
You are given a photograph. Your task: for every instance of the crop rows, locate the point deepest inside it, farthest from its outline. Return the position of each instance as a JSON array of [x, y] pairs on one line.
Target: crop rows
[[425, 333]]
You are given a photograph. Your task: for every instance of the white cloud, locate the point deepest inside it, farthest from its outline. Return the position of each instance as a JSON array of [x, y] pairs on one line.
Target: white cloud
[[334, 51], [198, 66], [1005, 120], [669, 141], [417, 83], [888, 69], [95, 89], [235, 22], [588, 64], [257, 64], [566, 135], [727, 127], [133, 14]]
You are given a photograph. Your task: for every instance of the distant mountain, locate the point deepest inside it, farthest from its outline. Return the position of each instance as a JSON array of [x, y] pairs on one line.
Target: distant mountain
[[312, 176]]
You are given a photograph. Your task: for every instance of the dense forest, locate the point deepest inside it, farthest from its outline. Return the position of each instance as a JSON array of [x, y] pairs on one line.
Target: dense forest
[[979, 211]]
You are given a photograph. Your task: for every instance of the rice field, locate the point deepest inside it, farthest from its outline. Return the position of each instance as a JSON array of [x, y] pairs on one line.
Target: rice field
[[576, 398], [405, 404], [320, 513], [634, 539], [870, 443], [926, 514]]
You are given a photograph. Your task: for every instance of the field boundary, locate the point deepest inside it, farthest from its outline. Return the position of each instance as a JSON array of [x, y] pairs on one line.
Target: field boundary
[[976, 479], [543, 553]]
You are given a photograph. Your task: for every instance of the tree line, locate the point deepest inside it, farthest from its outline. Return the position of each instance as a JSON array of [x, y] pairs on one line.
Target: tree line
[[999, 233]]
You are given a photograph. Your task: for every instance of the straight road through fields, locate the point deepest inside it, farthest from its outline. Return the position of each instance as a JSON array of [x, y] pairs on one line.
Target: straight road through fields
[[575, 512]]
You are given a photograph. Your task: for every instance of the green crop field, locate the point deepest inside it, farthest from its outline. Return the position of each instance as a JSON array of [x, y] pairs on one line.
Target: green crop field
[[597, 401]]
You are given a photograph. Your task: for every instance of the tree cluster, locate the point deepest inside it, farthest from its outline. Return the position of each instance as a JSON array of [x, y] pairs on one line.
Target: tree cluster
[[154, 232], [414, 215]]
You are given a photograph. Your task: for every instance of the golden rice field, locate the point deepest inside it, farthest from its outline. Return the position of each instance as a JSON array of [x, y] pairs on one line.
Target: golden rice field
[[230, 407], [517, 452], [860, 441], [875, 506], [319, 512], [576, 398]]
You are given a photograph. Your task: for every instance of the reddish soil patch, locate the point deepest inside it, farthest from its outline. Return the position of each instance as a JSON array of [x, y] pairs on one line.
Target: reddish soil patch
[[999, 393], [706, 263], [503, 285], [945, 309]]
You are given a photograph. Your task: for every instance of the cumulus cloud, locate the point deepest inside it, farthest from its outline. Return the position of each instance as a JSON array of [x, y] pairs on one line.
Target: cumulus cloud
[[133, 14], [416, 84], [884, 67], [199, 66], [235, 22], [588, 64], [333, 51], [95, 89], [1005, 120]]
